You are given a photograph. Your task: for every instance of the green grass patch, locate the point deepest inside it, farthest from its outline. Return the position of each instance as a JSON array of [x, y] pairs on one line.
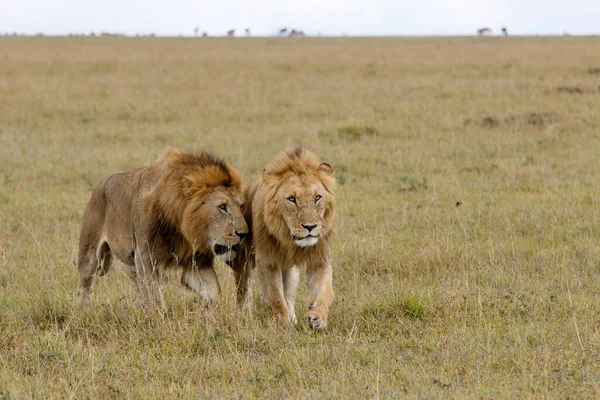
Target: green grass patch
[[407, 306]]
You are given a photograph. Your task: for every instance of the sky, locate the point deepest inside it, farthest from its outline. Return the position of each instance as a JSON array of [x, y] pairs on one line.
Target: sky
[[314, 17]]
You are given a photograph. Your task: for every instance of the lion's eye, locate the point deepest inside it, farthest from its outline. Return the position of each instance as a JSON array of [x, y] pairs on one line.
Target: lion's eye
[[317, 198], [292, 199], [223, 207]]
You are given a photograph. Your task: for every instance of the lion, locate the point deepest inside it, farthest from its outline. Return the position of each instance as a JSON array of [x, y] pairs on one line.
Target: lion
[[291, 214], [182, 210]]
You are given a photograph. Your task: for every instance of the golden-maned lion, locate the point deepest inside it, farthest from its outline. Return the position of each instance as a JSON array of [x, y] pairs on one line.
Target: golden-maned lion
[[181, 210], [291, 212]]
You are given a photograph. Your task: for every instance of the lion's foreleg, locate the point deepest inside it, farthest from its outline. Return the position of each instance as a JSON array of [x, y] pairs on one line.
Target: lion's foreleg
[[202, 279], [320, 285], [271, 278], [146, 277], [291, 279]]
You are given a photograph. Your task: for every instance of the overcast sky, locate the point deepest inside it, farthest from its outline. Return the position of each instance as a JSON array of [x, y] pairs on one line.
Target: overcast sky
[[325, 17]]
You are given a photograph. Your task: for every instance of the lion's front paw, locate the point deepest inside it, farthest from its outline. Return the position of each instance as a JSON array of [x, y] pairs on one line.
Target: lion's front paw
[[316, 322]]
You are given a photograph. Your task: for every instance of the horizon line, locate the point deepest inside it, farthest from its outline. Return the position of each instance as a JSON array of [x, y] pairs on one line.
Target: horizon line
[[319, 35]]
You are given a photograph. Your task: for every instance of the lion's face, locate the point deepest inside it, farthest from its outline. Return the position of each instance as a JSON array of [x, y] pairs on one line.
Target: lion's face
[[305, 205], [219, 223], [226, 224]]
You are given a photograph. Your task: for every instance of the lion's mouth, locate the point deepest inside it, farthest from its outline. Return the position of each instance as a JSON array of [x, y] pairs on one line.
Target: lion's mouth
[[295, 237], [221, 249], [306, 241]]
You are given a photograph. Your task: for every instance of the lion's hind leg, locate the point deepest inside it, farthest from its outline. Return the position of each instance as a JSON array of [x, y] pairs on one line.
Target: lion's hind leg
[[93, 260], [242, 268], [87, 265]]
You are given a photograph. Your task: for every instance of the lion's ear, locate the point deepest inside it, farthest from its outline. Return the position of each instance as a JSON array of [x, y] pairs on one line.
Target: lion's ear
[[326, 169], [188, 186], [327, 176], [266, 178]]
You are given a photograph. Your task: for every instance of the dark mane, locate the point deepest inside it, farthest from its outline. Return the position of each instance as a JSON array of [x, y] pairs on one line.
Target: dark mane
[[204, 168], [204, 159]]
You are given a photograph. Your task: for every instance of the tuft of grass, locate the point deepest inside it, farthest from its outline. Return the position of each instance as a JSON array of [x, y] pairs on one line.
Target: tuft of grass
[[354, 131], [411, 182], [413, 307], [406, 306], [51, 311]]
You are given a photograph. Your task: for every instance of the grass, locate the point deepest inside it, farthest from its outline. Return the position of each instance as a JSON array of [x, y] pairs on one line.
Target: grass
[[354, 131], [467, 262]]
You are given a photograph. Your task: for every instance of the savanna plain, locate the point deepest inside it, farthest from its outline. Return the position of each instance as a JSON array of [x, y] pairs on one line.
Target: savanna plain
[[466, 263]]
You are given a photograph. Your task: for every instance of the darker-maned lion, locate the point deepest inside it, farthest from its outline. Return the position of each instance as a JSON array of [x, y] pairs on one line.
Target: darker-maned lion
[[290, 210], [181, 210]]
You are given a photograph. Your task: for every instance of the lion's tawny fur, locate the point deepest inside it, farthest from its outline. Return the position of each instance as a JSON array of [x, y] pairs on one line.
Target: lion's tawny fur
[[279, 238], [164, 214]]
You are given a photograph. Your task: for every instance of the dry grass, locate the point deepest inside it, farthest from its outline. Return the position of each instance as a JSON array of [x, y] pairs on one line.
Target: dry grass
[[467, 262]]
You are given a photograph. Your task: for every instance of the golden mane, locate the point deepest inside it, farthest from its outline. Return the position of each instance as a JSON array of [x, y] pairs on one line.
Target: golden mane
[[186, 177], [270, 229], [300, 161]]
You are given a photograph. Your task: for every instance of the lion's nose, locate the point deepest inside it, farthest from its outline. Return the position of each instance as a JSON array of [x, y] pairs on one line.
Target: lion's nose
[[241, 235], [309, 227]]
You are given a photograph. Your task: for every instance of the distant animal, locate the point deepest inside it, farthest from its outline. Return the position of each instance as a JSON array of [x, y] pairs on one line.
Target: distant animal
[[504, 31], [231, 33], [290, 210], [248, 32], [283, 31], [205, 34], [483, 31], [296, 32], [182, 210]]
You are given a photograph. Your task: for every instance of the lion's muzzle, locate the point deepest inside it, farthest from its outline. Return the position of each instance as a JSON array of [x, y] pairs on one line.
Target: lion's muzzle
[[221, 249], [226, 253], [308, 235], [306, 241]]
